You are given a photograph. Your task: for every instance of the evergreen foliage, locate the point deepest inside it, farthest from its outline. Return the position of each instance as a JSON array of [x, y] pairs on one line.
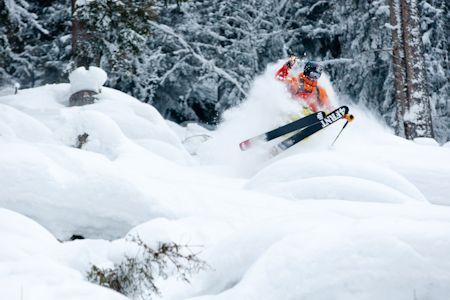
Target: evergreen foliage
[[33, 42], [435, 23], [113, 32], [199, 57]]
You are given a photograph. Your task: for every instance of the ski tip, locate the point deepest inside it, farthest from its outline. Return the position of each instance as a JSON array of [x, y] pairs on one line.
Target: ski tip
[[321, 115], [349, 117]]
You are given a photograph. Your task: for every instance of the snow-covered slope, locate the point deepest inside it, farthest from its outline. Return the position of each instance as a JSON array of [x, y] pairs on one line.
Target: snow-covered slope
[[366, 219]]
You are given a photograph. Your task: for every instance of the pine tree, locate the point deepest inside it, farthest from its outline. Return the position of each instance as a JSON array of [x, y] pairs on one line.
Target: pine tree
[[18, 26], [435, 23], [399, 67], [109, 33]]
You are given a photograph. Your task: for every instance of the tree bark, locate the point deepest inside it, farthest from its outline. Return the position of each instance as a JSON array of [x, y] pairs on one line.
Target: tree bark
[[398, 64], [418, 111], [79, 38]]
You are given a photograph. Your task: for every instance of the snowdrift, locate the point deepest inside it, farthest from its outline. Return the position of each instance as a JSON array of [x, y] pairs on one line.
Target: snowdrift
[[367, 219], [33, 264]]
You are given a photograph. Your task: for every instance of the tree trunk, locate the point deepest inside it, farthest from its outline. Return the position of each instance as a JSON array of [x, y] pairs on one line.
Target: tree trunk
[[398, 64], [418, 111], [79, 39]]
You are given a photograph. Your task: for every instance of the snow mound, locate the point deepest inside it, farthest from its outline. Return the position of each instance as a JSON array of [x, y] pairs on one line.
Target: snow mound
[[16, 124], [204, 231], [329, 175], [334, 247], [377, 258], [77, 192], [43, 104], [179, 130], [33, 264], [427, 168], [21, 236], [87, 80], [195, 136], [337, 188], [9, 90], [426, 142], [104, 136], [135, 176], [142, 124]]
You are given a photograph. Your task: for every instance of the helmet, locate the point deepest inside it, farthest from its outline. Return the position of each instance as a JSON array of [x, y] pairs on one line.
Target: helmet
[[312, 70]]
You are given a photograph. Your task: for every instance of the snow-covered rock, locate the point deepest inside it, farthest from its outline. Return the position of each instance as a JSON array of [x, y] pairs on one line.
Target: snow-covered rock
[[87, 80]]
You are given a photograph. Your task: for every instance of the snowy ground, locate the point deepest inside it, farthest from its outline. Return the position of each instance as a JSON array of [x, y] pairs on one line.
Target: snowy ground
[[366, 219]]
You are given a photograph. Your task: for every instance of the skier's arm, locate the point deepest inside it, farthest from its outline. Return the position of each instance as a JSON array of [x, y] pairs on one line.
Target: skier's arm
[[282, 73], [291, 82]]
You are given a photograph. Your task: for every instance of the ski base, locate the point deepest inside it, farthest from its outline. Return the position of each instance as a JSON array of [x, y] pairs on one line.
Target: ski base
[[331, 118], [288, 128]]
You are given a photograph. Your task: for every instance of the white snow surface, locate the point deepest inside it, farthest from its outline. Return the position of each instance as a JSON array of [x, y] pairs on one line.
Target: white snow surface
[[368, 218], [87, 80]]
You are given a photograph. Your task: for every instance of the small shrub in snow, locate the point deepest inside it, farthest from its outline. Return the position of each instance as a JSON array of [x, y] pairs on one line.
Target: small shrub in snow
[[82, 139], [135, 276]]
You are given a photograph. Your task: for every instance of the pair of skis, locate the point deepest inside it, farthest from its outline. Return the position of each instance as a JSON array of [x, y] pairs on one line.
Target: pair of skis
[[311, 123]]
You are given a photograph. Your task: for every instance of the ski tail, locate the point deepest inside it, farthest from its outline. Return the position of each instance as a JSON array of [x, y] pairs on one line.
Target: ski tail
[[247, 144]]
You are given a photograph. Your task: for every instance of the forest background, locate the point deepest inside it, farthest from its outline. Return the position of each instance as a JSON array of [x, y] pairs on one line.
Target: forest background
[[194, 59]]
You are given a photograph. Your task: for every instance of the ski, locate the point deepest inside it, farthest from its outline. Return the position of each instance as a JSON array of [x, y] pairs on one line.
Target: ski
[[328, 120], [296, 125]]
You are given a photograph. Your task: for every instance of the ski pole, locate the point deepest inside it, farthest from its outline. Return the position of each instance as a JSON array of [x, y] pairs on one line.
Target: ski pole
[[349, 118]]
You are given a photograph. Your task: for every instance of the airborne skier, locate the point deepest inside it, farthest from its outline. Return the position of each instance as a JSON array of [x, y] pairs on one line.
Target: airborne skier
[[313, 98], [305, 88]]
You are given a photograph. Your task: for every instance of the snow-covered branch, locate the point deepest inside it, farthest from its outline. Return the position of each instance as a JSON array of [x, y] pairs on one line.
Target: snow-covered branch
[[337, 61], [199, 57], [18, 14]]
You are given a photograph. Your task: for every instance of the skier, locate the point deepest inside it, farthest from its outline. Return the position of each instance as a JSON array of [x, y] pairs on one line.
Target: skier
[[304, 88], [313, 98]]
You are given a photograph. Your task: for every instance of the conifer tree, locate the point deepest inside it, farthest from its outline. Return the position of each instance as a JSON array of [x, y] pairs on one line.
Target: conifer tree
[[414, 110], [399, 68], [418, 112], [109, 33], [18, 26], [435, 24]]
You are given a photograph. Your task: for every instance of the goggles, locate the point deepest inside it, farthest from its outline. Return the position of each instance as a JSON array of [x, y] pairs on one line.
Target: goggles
[[314, 75]]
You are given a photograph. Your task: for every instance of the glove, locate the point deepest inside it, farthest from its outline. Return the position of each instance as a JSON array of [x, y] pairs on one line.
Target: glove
[[349, 117], [291, 62]]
